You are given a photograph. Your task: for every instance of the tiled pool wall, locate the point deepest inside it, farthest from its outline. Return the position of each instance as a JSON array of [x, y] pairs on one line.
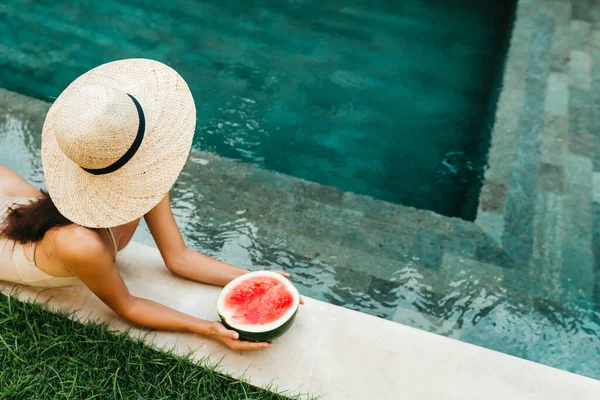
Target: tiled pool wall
[[537, 201], [523, 279]]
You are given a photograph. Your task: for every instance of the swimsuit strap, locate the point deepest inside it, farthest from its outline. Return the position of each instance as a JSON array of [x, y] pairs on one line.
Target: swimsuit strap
[[32, 252], [112, 236]]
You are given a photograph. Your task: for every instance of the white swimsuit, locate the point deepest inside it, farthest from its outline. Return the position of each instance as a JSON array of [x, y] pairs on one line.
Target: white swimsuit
[[15, 267]]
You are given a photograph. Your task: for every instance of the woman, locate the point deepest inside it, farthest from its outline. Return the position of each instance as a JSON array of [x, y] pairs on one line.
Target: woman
[[113, 144]]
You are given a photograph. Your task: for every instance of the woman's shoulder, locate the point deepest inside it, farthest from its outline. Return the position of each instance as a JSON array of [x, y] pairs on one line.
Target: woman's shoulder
[[14, 185], [75, 243]]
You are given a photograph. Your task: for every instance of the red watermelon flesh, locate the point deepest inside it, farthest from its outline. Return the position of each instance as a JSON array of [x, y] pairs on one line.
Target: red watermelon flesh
[[258, 300]]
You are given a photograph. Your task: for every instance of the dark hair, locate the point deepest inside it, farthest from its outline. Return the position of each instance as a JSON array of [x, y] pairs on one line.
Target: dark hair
[[29, 222]]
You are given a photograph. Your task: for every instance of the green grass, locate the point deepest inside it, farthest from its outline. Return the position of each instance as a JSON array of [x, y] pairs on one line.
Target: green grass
[[46, 355]]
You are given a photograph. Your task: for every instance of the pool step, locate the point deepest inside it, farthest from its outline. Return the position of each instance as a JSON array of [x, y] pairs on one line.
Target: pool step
[[312, 210]]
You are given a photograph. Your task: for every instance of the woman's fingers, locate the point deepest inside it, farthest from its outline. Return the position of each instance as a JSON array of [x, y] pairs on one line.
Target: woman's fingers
[[301, 300], [241, 345], [231, 339], [232, 335], [244, 346], [282, 273], [220, 330]]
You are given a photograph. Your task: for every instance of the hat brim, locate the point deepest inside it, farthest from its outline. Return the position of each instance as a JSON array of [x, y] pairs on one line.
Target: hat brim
[[103, 201]]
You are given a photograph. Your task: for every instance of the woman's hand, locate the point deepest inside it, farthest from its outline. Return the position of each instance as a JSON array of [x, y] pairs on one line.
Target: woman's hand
[[229, 338], [285, 274]]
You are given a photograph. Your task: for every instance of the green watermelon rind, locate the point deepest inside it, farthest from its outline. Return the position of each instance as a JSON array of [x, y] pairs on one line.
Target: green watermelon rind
[[266, 336]]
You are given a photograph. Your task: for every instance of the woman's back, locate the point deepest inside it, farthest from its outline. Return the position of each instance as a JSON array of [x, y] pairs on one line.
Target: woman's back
[[17, 261]]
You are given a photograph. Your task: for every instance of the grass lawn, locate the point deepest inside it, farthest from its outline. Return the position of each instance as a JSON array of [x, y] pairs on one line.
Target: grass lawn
[[44, 355]]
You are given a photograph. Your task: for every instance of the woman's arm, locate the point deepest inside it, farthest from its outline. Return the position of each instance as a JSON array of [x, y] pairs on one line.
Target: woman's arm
[[92, 261], [178, 257], [13, 184], [186, 262]]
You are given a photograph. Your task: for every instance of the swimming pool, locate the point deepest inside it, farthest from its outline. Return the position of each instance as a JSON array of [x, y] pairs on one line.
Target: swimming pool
[[524, 279], [389, 99]]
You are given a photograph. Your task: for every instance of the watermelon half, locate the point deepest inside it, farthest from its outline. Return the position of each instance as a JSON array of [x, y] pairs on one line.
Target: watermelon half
[[260, 306]]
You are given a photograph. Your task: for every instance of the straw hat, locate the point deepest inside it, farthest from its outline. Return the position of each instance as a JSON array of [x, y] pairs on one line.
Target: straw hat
[[115, 141]]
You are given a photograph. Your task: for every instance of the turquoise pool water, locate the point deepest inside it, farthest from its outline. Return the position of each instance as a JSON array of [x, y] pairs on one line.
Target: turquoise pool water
[[389, 99]]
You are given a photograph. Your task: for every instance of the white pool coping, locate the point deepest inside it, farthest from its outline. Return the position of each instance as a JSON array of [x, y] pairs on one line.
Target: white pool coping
[[331, 351]]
